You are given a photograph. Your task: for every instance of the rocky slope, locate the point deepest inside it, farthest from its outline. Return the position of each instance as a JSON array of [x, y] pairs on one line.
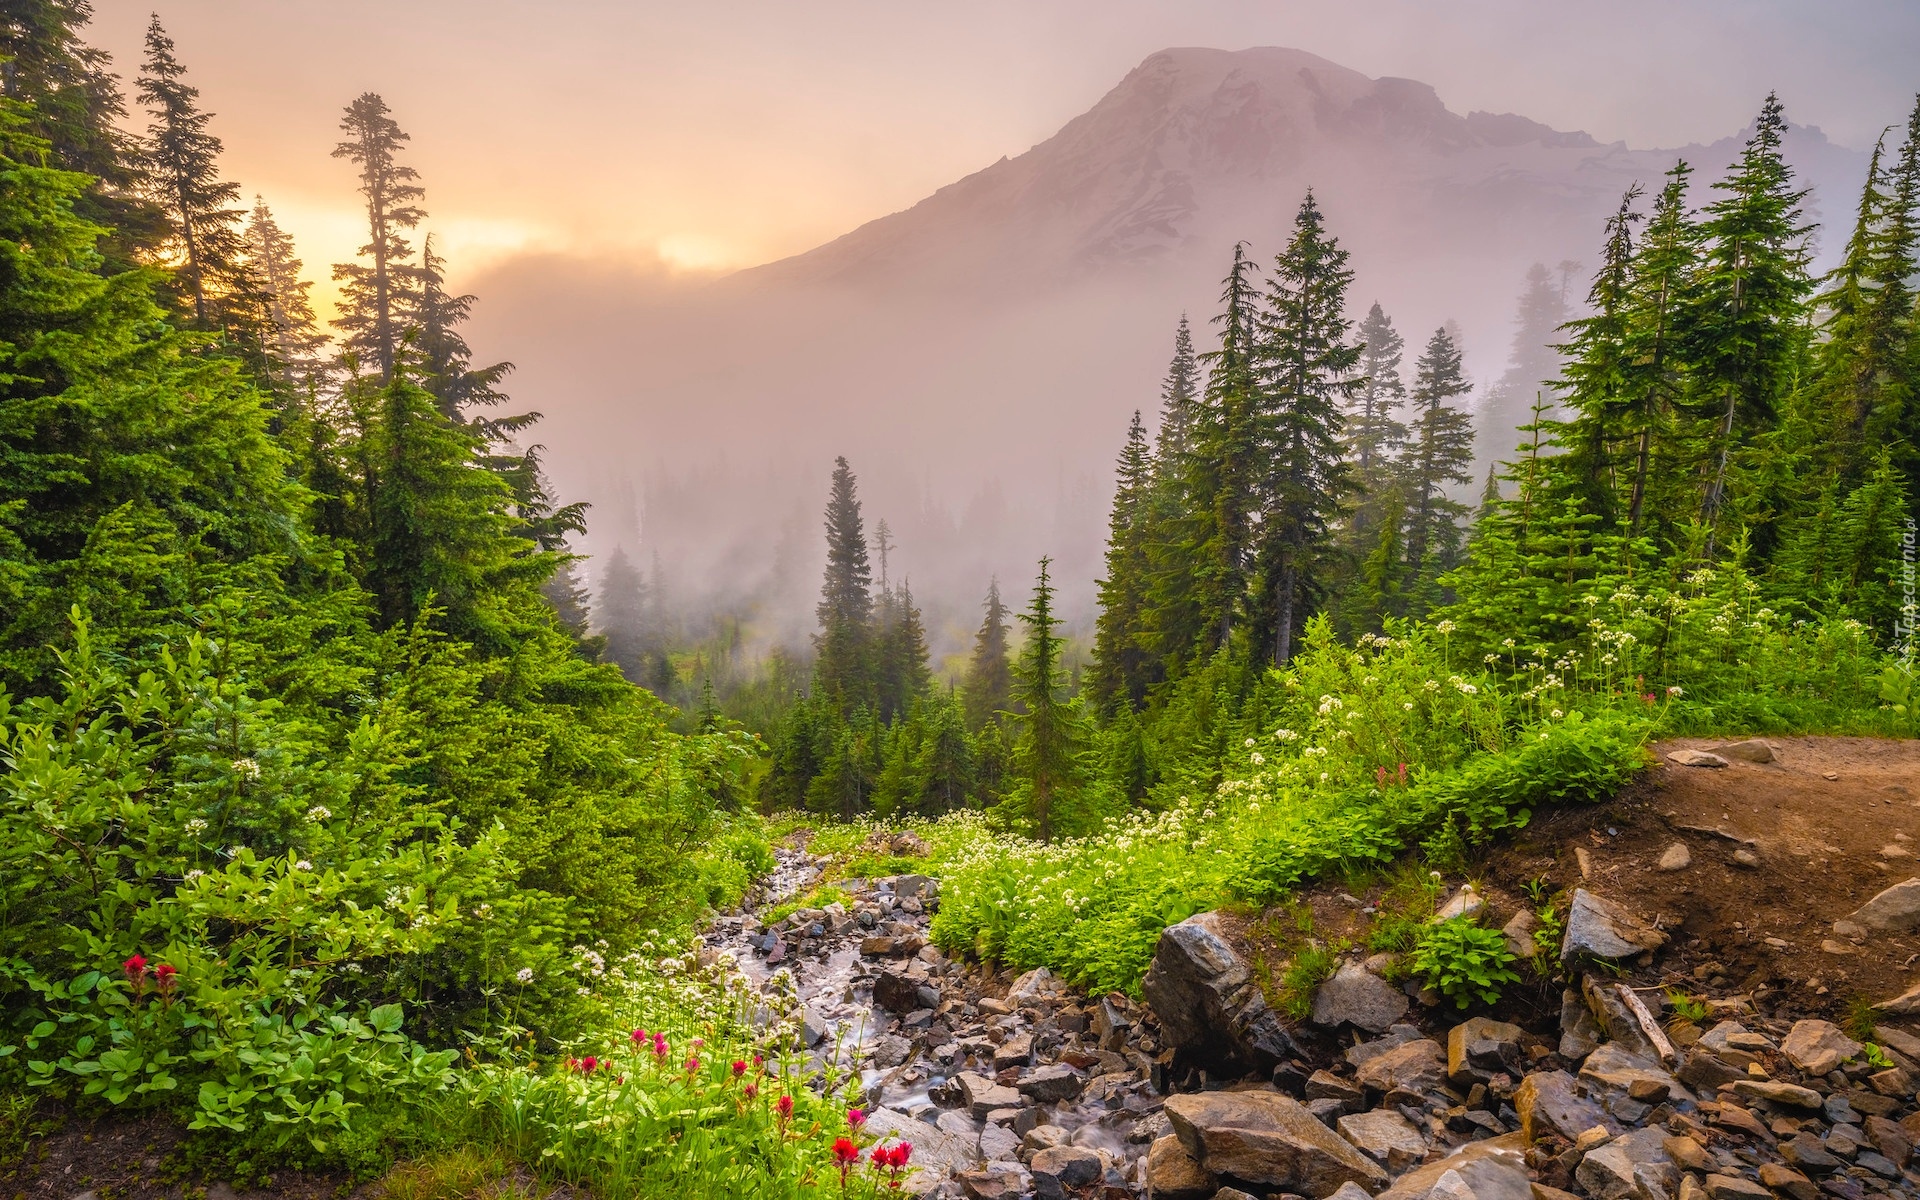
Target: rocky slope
[[1650, 1069]]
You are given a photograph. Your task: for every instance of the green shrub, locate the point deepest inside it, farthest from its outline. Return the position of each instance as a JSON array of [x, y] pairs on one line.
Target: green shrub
[[1463, 961]]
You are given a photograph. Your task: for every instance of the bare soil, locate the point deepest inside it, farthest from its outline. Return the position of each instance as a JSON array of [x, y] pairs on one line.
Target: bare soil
[[132, 1158]]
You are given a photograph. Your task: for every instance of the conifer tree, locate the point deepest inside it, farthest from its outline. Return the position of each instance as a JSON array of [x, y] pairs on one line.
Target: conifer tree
[[1050, 740], [69, 99], [945, 764], [1534, 360], [842, 668], [446, 362], [901, 673], [620, 614], [375, 293], [1200, 582], [1122, 670], [1374, 435], [1745, 313], [292, 345], [988, 687], [182, 164], [1177, 398], [1441, 454], [1654, 361], [1306, 370]]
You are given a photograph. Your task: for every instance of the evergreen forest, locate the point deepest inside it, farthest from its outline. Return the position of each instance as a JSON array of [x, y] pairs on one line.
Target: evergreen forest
[[346, 812]]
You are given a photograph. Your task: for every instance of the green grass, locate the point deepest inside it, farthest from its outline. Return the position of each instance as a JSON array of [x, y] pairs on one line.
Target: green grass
[[818, 897]]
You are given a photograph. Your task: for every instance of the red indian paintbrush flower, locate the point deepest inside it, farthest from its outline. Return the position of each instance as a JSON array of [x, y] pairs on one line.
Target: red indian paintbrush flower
[[856, 1118], [163, 977], [135, 967], [784, 1106], [750, 1091], [639, 1036], [845, 1154], [739, 1068]]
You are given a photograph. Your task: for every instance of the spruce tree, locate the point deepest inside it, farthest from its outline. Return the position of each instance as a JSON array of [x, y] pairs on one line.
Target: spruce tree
[[1441, 455], [620, 614], [435, 315], [842, 667], [901, 673], [945, 765], [182, 164], [295, 362], [988, 687], [1050, 740], [1533, 360], [1746, 313], [1374, 435], [1122, 670], [1653, 363], [1306, 371], [375, 294], [1178, 394]]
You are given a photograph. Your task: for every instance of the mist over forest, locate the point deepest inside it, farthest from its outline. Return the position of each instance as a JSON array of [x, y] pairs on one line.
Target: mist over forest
[[976, 357]]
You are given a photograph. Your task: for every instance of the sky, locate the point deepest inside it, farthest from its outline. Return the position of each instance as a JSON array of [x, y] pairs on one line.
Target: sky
[[708, 136]]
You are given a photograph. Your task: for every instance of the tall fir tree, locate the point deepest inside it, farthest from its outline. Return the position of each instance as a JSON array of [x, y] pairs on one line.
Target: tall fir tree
[[375, 294], [1122, 666], [1374, 434], [1745, 320], [1533, 360], [987, 689], [1050, 739], [901, 674], [182, 161], [1441, 455], [1306, 371], [621, 615], [842, 666], [435, 315], [293, 347]]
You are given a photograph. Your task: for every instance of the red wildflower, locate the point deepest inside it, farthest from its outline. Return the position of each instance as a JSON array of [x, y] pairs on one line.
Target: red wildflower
[[845, 1154], [588, 1064], [639, 1036], [660, 1046], [163, 976], [784, 1106], [856, 1118], [693, 1063], [739, 1068], [750, 1091], [136, 968]]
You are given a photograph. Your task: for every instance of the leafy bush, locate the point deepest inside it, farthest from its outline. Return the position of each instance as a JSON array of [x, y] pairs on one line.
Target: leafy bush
[[1464, 961]]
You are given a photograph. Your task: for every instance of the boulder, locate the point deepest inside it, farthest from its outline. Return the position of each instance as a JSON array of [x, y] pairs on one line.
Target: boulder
[[1397, 1035], [1550, 1102], [1063, 1170], [1752, 750], [1356, 996], [1625, 1084], [1111, 1024], [896, 991], [1732, 1187], [1268, 1139], [1016, 1051], [982, 1095], [1788, 1095], [1494, 1169], [1599, 928], [998, 1143], [1208, 1002], [1617, 1017], [1518, 931], [1893, 1141], [1615, 1170], [1050, 1085], [1705, 1071], [1479, 1047], [1696, 758], [1787, 1181], [1580, 1030], [1325, 1085], [937, 1153], [1415, 1067], [1464, 903], [1350, 1191], [1906, 1004], [1896, 910], [998, 1181], [1817, 1047], [1172, 1173], [1384, 1136], [1034, 985]]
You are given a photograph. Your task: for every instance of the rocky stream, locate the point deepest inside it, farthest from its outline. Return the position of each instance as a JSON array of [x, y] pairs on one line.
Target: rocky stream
[[1018, 1086]]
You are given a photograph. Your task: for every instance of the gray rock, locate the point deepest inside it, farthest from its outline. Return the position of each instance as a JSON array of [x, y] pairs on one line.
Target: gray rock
[[1608, 1002], [1350, 1191], [1208, 1003], [1675, 858], [1060, 1168], [1696, 758], [896, 991], [935, 1151], [997, 1142], [1817, 1047], [957, 1123], [1616, 1170], [1040, 1137], [1397, 1035], [1752, 750], [1733, 1187], [1518, 931], [1494, 1169], [1016, 1051], [1268, 1139], [1790, 1095], [1033, 985], [1384, 1136], [1464, 903], [1599, 928], [1416, 1067], [1050, 1085], [1478, 1047], [1550, 1102], [1896, 910], [1325, 1085], [1111, 1025], [1705, 1071], [982, 1095], [1580, 1031], [995, 1181], [1356, 996]]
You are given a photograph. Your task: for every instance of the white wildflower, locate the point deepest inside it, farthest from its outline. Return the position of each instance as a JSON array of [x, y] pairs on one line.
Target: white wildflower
[[1259, 760], [524, 975], [196, 825], [1556, 714], [1676, 690], [319, 812], [303, 865], [246, 768], [1444, 628]]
